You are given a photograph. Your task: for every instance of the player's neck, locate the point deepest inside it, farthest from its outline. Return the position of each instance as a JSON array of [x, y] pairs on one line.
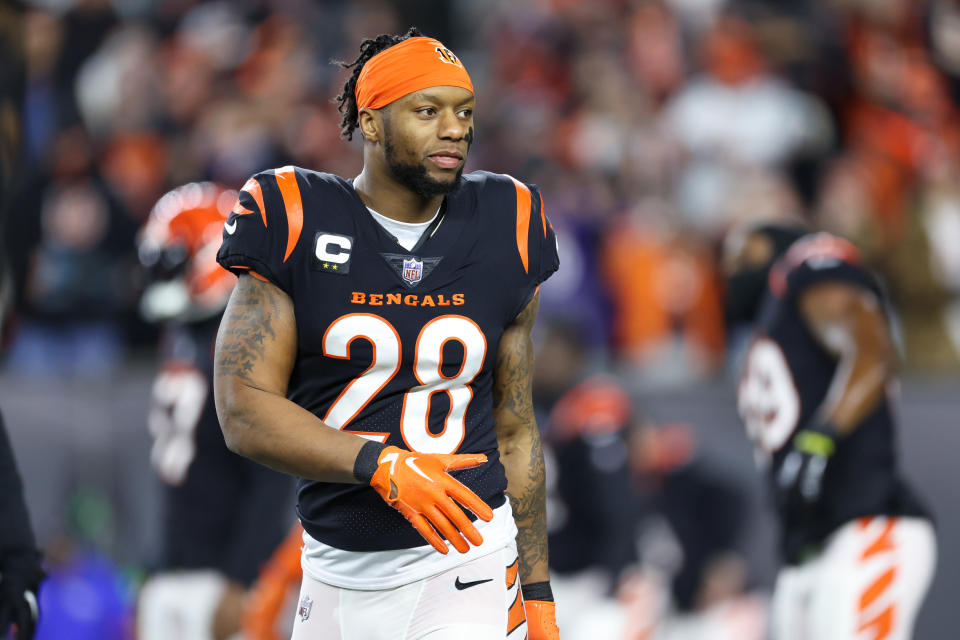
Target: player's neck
[[389, 198]]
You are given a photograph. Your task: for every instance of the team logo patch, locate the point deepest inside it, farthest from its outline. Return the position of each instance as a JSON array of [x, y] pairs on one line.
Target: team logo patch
[[331, 252], [303, 611], [411, 269]]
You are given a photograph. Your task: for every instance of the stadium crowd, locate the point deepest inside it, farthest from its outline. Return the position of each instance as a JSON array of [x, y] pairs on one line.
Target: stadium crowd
[[651, 126]]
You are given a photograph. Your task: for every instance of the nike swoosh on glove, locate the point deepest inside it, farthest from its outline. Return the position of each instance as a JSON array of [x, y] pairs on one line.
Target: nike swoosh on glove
[[418, 486], [541, 620], [800, 478]]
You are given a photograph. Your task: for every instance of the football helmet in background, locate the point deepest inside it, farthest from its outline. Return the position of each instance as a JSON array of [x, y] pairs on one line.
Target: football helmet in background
[[178, 247]]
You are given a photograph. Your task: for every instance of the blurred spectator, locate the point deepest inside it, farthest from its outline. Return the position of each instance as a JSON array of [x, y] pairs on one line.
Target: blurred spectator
[[736, 115], [668, 318], [74, 289]]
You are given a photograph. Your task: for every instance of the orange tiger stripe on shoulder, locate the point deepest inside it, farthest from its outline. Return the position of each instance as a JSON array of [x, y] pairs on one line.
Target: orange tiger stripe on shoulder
[[252, 187], [523, 221], [292, 205], [543, 216]]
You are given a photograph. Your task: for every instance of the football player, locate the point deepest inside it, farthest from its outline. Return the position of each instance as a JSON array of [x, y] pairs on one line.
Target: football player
[[816, 398], [20, 570], [223, 514], [378, 346]]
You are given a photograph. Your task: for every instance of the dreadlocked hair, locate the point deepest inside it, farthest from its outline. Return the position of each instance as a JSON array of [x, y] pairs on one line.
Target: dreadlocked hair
[[347, 100]]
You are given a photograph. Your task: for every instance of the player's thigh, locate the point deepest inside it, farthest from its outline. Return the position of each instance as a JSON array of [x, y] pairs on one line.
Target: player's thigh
[[789, 607], [179, 604], [479, 600], [317, 614], [874, 575], [332, 613]]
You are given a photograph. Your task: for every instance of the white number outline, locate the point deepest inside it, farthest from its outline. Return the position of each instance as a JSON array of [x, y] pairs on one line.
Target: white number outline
[[424, 369], [768, 435], [427, 369], [177, 400], [332, 417]]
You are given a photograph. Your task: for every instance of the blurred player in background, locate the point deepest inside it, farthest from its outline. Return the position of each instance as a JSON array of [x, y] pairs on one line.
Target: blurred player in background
[[617, 485], [380, 326], [592, 506], [20, 570], [816, 396], [223, 514]]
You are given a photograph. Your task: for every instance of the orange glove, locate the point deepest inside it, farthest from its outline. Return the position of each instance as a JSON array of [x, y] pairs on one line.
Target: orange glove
[[541, 620], [418, 486]]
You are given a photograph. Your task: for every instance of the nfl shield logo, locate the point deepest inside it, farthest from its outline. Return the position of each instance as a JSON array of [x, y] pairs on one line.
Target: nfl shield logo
[[304, 609], [412, 270]]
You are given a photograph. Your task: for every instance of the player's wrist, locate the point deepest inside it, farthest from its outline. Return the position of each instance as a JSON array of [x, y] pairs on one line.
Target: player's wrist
[[540, 591], [366, 462]]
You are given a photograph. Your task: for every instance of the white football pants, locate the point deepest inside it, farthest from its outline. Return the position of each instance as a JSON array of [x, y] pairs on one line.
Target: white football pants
[[429, 609], [867, 584]]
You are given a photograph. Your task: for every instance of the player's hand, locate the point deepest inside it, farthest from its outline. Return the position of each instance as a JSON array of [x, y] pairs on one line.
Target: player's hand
[[18, 601], [800, 478], [419, 487], [541, 620]]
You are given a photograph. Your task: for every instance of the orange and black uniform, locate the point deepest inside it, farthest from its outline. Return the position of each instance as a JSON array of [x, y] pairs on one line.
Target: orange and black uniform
[[862, 478], [397, 345]]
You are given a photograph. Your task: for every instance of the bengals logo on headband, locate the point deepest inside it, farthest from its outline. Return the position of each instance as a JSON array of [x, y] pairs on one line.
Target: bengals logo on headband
[[448, 56]]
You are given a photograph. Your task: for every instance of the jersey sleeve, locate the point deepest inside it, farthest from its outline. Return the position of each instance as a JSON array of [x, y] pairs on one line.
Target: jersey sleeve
[[256, 233], [542, 240], [536, 241]]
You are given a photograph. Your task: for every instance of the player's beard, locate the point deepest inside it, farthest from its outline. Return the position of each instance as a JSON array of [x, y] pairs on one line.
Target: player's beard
[[415, 176]]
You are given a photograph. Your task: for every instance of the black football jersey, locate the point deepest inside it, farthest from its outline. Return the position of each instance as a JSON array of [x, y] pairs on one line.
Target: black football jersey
[[786, 377], [397, 346], [221, 511]]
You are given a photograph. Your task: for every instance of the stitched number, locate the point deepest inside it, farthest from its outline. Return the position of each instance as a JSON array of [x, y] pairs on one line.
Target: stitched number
[[427, 367], [177, 401], [767, 400], [414, 421], [386, 362]]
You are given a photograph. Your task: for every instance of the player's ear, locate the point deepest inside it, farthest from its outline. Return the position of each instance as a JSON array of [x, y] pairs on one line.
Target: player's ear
[[370, 124]]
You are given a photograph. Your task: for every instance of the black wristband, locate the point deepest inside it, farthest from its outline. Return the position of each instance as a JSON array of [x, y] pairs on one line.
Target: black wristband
[[537, 591], [826, 427], [366, 463]]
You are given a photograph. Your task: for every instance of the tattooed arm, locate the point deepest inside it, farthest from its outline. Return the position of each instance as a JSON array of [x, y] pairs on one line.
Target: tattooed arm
[[255, 352], [519, 443]]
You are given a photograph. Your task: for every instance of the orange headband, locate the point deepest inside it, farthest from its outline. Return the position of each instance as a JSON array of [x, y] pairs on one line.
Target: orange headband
[[411, 65]]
